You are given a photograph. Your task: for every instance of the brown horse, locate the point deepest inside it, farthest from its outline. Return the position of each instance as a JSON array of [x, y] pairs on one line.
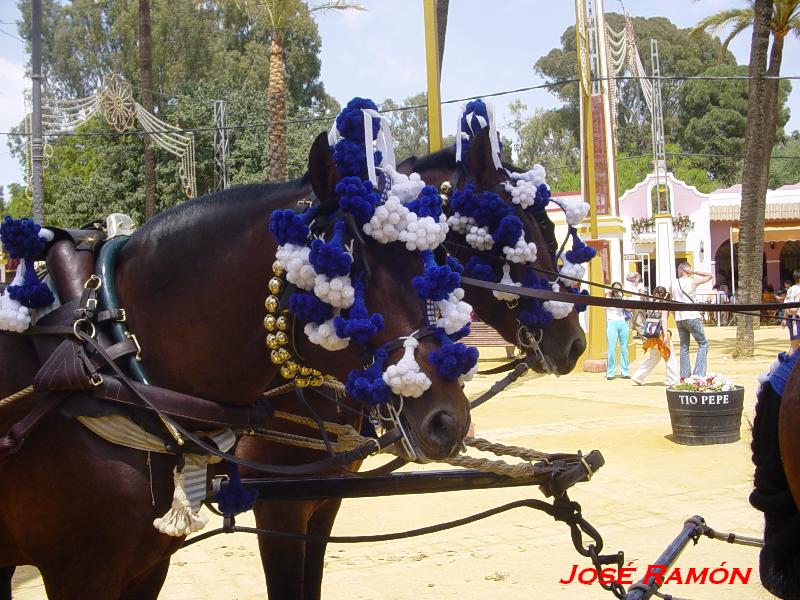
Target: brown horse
[[294, 569], [776, 455], [193, 283]]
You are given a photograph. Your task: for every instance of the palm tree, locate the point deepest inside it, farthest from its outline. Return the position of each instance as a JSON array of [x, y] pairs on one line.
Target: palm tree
[[277, 18], [776, 18]]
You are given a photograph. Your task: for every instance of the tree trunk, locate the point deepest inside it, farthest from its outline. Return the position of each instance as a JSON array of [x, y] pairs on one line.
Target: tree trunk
[[146, 78], [276, 94], [757, 150], [442, 8]]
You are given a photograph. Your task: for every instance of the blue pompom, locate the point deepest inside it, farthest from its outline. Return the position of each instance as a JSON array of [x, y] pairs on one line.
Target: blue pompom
[[351, 158], [779, 376], [453, 360], [491, 209], [531, 310], [330, 258], [455, 265], [359, 325], [508, 231], [234, 498], [437, 282], [580, 252], [461, 333], [541, 199], [368, 386], [288, 227], [465, 201], [479, 269], [573, 290], [357, 197], [20, 238], [310, 309], [350, 122], [32, 293], [427, 204]]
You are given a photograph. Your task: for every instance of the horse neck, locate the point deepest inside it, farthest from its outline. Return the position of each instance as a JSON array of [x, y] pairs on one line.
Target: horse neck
[[195, 280]]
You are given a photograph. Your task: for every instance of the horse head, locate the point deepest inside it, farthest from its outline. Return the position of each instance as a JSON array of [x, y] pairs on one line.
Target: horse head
[[548, 333], [376, 306]]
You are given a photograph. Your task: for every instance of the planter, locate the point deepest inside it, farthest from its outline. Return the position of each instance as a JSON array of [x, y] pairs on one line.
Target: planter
[[702, 418]]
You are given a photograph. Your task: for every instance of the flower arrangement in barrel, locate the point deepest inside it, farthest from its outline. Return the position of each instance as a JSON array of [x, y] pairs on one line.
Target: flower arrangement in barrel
[[710, 382]]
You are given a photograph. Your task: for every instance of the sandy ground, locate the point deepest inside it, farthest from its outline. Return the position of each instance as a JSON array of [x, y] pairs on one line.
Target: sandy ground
[[638, 501]]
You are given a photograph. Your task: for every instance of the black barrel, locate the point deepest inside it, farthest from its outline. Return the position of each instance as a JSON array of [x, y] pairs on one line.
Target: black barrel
[[702, 418]]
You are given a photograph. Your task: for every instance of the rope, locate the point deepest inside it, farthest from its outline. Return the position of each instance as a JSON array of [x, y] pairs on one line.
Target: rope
[[14, 397], [501, 449]]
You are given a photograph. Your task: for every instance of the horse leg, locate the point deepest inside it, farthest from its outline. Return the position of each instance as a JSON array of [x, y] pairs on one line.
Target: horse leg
[[320, 524], [283, 559], [147, 585], [6, 573]]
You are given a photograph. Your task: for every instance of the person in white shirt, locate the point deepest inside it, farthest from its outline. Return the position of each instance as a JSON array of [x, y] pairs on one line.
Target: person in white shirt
[[634, 287], [616, 332], [793, 295], [659, 343], [690, 322]]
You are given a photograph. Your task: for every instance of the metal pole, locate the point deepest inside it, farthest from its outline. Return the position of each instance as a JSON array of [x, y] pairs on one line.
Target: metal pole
[[433, 67], [36, 115]]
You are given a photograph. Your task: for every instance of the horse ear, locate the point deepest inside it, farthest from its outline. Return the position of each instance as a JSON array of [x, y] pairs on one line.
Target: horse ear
[[407, 166], [480, 162], [322, 170]]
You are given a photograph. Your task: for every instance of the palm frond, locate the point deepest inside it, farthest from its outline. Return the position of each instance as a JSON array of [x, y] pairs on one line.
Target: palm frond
[[334, 5], [737, 29], [726, 18]]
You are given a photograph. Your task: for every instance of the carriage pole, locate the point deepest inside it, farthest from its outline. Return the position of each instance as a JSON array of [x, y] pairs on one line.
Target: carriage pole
[[36, 113]]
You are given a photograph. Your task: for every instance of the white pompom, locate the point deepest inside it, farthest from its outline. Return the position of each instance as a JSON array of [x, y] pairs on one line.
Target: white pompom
[[294, 260], [537, 175], [337, 292], [559, 310], [575, 211], [522, 193], [388, 221], [405, 378], [468, 375], [424, 233], [14, 316], [459, 223], [569, 270], [404, 187], [454, 313], [521, 252], [480, 238], [506, 280], [325, 335]]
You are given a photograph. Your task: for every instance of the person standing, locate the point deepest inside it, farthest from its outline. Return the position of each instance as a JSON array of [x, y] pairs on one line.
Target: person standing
[[658, 340], [634, 287], [793, 295], [616, 332], [690, 322]]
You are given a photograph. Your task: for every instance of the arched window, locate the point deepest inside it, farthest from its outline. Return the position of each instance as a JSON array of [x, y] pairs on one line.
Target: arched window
[[659, 199]]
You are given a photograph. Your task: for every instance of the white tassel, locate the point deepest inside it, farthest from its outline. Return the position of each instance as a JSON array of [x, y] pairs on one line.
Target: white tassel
[[454, 313], [424, 233], [575, 211], [179, 520], [506, 280], [294, 260], [459, 223], [522, 252], [480, 238], [325, 335], [388, 221], [404, 378], [569, 270], [337, 292], [14, 316], [558, 309]]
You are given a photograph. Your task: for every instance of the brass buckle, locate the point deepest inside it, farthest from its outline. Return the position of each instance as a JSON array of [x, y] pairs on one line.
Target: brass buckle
[[94, 283], [122, 315], [132, 336], [91, 304], [79, 325], [95, 379]]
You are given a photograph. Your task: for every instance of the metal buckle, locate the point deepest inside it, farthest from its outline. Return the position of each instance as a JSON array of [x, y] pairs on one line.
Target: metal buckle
[[94, 282], [122, 316], [78, 327], [132, 336], [91, 304], [95, 379]]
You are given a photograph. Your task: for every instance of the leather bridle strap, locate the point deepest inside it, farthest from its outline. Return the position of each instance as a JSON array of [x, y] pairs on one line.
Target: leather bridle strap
[[340, 460]]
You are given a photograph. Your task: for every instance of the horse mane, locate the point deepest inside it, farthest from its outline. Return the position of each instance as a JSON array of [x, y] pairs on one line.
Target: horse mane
[[210, 206]]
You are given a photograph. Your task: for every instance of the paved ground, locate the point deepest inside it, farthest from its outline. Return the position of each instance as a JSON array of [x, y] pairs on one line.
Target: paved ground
[[638, 501]]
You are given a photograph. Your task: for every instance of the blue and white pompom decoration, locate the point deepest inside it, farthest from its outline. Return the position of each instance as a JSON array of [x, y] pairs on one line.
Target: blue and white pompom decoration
[[25, 240]]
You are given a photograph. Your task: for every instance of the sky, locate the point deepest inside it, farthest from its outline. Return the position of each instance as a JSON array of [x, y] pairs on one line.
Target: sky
[[380, 53]]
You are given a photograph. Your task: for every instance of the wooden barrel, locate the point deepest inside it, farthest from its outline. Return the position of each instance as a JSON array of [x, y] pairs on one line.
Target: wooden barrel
[[702, 418]]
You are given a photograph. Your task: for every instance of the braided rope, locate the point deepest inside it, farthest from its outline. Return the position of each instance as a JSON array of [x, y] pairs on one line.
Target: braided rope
[[14, 397], [502, 450]]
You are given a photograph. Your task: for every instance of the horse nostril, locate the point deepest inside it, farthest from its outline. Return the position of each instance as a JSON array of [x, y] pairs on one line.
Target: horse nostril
[[576, 349], [442, 428]]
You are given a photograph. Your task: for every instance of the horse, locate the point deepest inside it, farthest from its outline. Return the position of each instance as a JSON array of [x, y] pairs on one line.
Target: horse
[[193, 282], [294, 568], [776, 456]]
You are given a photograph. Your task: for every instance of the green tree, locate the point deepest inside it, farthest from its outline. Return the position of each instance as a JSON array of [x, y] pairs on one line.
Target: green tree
[[775, 19], [409, 126], [784, 167]]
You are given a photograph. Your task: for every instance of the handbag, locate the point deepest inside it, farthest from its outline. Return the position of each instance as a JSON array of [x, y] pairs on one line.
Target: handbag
[[652, 327]]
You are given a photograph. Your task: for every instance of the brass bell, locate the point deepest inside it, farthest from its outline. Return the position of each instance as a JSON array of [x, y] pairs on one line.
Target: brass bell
[[301, 382], [275, 285], [272, 341], [279, 356], [282, 324], [317, 380], [289, 369], [271, 304], [306, 371], [270, 322], [277, 268], [281, 339]]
